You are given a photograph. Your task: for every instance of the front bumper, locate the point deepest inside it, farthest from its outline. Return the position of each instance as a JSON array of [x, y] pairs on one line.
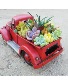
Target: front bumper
[[51, 57]]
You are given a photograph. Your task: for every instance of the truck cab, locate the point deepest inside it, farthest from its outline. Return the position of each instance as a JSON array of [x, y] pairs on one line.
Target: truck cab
[[15, 21]]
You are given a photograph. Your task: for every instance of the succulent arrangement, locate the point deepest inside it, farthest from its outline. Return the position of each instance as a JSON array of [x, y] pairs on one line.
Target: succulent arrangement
[[30, 30]]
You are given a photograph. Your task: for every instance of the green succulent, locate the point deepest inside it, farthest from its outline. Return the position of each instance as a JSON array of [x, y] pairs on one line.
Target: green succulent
[[56, 34], [40, 22], [40, 41], [15, 31]]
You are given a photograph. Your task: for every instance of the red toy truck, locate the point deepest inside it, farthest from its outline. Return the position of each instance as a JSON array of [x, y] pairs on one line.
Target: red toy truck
[[34, 55]]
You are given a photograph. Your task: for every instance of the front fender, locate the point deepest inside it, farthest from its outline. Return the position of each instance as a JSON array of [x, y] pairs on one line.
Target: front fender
[[29, 49], [5, 34]]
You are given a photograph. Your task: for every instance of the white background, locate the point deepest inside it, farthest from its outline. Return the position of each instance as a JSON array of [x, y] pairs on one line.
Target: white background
[[34, 4]]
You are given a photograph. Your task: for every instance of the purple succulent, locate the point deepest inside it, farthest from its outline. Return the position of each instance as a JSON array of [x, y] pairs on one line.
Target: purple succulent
[[34, 29], [30, 35]]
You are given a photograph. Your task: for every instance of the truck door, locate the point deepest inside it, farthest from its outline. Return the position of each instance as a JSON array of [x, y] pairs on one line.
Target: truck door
[[13, 35]]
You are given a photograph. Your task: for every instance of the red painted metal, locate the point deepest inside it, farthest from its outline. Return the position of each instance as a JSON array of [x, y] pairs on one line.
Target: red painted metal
[[5, 34], [8, 25], [14, 35], [47, 60], [34, 52], [21, 40], [29, 49]]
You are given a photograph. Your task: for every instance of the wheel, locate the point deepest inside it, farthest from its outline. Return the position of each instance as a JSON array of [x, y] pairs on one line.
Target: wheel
[[26, 58]]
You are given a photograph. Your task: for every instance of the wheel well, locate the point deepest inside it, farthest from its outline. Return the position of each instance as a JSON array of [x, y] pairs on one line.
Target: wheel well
[[22, 53]]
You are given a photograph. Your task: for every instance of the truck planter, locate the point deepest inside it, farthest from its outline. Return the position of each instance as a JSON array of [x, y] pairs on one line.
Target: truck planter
[[34, 55]]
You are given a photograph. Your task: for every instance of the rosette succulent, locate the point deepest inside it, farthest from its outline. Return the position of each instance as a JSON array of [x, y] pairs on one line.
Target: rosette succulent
[[32, 34], [40, 40], [56, 34], [48, 38]]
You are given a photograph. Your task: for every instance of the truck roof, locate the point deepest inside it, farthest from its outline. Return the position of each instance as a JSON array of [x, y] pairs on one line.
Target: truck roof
[[21, 17]]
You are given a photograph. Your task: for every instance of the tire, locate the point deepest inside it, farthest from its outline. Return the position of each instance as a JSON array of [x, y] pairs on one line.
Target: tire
[[26, 58]]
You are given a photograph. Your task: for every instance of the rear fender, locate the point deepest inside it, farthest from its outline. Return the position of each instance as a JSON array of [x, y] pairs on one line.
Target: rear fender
[[5, 34], [31, 52]]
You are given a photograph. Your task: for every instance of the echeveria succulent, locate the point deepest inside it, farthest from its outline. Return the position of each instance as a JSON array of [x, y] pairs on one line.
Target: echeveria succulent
[[30, 35], [40, 40], [48, 38]]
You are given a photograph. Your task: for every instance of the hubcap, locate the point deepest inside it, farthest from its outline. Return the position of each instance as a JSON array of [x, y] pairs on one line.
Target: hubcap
[[27, 58]]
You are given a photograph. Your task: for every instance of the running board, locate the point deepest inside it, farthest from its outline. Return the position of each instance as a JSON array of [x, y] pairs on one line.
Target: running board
[[13, 45]]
